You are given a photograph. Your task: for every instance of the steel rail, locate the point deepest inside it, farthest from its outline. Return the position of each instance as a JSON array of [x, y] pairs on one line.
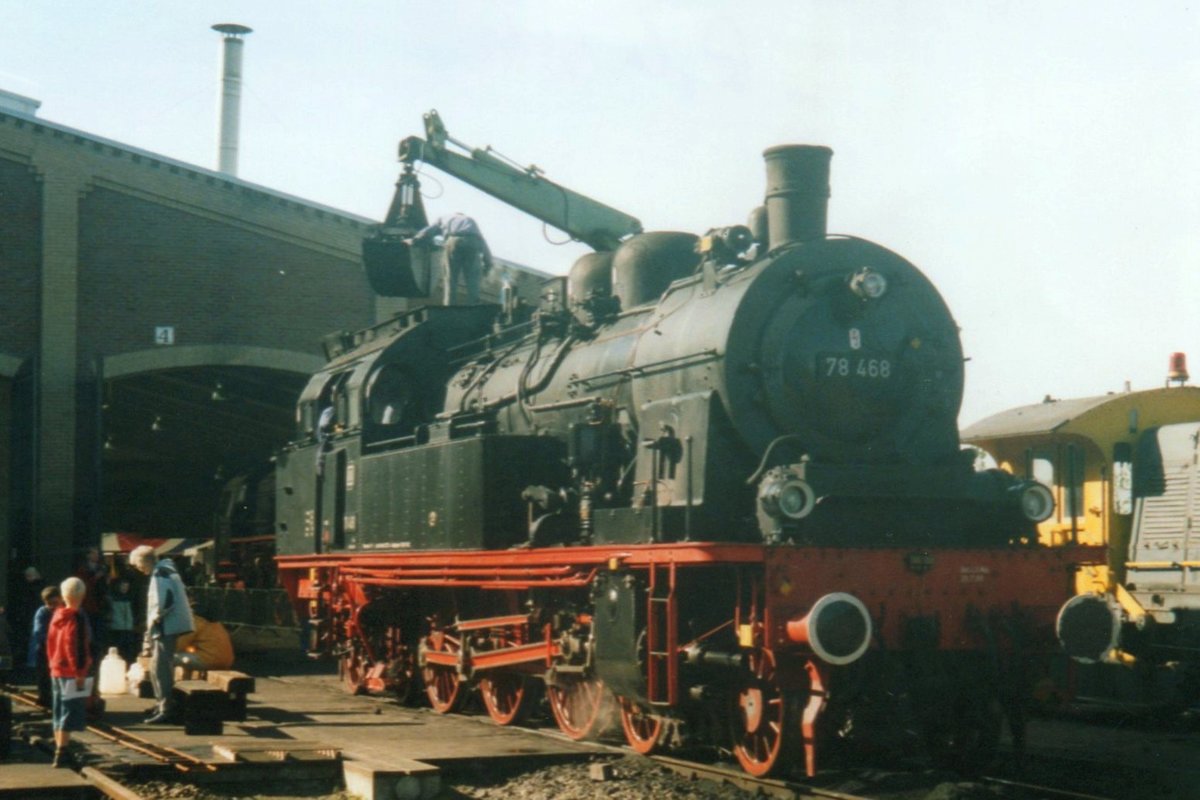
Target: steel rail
[[109, 785], [762, 787], [183, 762], [1042, 790], [18, 695]]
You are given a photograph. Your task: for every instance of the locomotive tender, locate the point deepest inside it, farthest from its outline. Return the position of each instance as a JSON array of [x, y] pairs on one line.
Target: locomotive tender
[[715, 478]]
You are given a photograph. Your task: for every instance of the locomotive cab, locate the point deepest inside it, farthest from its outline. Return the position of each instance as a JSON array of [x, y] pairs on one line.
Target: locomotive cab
[[1082, 451]]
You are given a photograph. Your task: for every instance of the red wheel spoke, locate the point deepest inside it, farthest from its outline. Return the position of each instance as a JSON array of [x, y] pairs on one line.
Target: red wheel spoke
[[442, 683], [578, 705], [506, 698], [643, 730], [763, 731]]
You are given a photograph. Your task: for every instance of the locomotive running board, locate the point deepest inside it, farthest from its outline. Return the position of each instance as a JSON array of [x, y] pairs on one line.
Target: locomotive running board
[[468, 661]]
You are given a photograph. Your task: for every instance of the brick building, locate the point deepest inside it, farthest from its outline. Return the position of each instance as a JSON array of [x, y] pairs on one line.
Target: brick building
[[157, 321]]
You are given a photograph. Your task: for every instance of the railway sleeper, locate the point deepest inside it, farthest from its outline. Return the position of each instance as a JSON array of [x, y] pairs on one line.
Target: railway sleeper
[[204, 707]]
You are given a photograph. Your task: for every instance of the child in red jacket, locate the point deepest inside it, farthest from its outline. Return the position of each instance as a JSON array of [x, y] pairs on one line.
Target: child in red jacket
[[68, 646]]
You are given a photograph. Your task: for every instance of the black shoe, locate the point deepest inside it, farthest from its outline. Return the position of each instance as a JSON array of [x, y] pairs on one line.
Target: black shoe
[[62, 760]]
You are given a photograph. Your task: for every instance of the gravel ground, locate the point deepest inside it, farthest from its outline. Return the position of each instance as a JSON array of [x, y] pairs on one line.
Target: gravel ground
[[632, 778], [158, 790]]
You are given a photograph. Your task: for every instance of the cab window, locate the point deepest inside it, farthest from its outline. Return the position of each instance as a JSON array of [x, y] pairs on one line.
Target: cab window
[[1061, 469], [1072, 481], [390, 400], [1039, 466]]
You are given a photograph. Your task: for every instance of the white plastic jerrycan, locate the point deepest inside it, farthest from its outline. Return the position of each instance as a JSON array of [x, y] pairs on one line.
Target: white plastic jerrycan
[[112, 673]]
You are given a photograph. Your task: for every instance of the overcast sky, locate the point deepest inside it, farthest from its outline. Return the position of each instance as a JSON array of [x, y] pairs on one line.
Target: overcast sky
[[1040, 161]]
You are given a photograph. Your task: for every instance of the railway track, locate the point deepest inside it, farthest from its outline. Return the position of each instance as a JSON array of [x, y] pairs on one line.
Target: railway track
[[1011, 787], [1038, 790], [166, 756], [1057, 775], [759, 787], [789, 790], [183, 763]]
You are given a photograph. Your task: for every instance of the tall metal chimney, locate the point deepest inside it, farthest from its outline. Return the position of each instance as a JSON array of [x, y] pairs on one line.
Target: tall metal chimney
[[231, 94], [797, 193]]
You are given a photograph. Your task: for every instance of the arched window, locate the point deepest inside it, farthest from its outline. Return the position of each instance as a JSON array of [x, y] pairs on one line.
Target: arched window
[[392, 400]]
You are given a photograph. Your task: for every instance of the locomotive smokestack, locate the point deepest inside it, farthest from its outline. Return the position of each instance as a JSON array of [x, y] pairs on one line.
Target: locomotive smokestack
[[797, 193], [231, 95]]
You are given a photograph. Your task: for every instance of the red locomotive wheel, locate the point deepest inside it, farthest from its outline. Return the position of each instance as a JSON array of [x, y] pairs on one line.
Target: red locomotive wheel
[[577, 704], [643, 730], [764, 729], [402, 676], [442, 683], [507, 697]]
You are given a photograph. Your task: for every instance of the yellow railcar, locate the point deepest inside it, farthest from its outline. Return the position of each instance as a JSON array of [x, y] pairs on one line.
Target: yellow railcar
[[1099, 455], [1082, 450]]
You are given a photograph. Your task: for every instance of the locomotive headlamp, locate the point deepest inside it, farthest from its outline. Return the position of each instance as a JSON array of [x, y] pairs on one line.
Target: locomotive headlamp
[[1036, 501], [868, 284], [1088, 627], [787, 496]]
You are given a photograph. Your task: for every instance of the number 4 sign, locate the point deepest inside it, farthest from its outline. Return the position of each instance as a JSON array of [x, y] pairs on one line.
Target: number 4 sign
[[164, 334]]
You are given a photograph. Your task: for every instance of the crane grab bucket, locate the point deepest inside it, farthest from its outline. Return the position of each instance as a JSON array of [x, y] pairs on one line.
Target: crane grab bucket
[[394, 267]]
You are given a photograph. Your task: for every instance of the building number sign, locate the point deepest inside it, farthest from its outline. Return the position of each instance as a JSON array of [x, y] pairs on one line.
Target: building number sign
[[164, 334]]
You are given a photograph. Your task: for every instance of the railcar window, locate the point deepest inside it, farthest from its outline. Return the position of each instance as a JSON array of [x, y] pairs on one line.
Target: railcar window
[[1061, 470], [1039, 466], [1073, 482], [1122, 478]]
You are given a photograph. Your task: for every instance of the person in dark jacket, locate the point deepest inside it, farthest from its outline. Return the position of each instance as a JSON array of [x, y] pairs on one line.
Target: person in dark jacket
[[37, 659], [168, 615], [94, 574], [69, 650], [26, 602], [120, 625]]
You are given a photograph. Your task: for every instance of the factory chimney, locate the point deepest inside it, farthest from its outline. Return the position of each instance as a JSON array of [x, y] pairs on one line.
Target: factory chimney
[[231, 94]]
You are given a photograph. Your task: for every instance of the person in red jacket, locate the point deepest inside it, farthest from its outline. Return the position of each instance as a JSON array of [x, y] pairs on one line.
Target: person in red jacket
[[69, 648]]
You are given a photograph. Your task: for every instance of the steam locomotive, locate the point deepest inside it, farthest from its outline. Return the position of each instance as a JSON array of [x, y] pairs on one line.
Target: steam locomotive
[[711, 483]]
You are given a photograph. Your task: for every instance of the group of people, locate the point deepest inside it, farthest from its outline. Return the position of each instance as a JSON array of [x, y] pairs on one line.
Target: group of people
[[108, 603], [68, 633]]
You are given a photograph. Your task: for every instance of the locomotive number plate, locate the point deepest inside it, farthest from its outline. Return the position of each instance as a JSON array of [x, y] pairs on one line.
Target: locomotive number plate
[[857, 366]]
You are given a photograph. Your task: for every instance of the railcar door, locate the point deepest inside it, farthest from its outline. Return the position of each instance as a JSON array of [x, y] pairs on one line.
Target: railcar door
[[331, 501]]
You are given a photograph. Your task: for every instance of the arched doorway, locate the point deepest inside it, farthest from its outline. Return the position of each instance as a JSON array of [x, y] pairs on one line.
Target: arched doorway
[[177, 424]]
